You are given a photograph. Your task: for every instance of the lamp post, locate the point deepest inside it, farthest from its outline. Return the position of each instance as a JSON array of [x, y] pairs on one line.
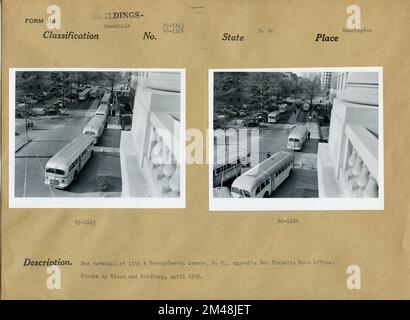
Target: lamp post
[[26, 122]]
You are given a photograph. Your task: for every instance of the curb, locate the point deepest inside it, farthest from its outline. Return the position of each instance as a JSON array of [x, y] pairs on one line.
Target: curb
[[22, 145]]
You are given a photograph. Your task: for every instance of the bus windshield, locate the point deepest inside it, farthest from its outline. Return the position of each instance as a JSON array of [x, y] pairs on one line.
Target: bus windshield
[[89, 133], [294, 140], [241, 192], [55, 171]]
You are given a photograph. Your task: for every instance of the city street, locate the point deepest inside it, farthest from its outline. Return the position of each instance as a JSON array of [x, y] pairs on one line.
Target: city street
[[274, 137], [101, 176]]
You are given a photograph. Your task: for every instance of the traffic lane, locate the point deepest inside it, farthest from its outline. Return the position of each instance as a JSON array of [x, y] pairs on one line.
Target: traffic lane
[[310, 146], [29, 178], [303, 116], [269, 140], [284, 117], [51, 135], [301, 184], [48, 142], [81, 105], [272, 140], [101, 174], [110, 138]]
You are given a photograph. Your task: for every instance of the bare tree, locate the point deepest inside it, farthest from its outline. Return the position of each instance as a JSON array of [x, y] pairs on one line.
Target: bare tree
[[311, 88], [261, 90]]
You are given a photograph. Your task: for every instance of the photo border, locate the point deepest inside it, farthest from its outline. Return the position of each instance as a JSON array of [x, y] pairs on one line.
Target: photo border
[[94, 202], [296, 204]]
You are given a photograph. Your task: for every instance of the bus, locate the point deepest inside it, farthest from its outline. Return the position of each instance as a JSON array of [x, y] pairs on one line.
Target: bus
[[228, 164], [84, 94], [262, 180], [283, 108], [95, 128], [106, 98], [306, 106], [93, 92], [274, 117], [66, 164], [297, 137], [102, 111]]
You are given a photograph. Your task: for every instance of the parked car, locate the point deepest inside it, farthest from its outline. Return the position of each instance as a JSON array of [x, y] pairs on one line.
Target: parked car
[[50, 110], [261, 117], [251, 123]]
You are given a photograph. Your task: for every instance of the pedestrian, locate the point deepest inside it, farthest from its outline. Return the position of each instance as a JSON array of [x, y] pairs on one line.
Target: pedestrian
[[268, 155], [308, 135]]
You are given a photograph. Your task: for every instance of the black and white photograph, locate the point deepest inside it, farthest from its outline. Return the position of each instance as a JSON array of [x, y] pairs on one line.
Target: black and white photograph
[[296, 139], [96, 138]]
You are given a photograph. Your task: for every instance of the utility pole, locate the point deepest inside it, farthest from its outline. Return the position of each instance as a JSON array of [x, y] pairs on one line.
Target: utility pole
[[26, 122], [71, 88]]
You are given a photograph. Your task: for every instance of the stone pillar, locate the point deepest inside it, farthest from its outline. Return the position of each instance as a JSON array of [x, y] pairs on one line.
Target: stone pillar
[[353, 136]]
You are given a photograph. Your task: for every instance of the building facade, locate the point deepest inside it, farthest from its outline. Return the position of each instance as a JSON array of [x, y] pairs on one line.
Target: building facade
[[150, 151], [325, 80], [348, 165]]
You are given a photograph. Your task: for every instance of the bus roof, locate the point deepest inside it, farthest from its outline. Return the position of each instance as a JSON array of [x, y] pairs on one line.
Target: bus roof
[[94, 124], [85, 91], [63, 158], [261, 171], [103, 108], [298, 132], [106, 97], [224, 155]]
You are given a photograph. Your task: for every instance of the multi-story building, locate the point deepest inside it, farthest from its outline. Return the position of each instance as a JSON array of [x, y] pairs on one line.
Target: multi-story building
[[150, 151], [325, 80], [348, 165], [310, 75]]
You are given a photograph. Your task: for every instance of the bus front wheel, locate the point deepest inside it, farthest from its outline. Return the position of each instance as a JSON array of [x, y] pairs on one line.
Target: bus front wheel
[[266, 194]]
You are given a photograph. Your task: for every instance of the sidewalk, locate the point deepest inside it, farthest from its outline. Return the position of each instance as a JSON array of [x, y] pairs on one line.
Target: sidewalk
[[313, 128]]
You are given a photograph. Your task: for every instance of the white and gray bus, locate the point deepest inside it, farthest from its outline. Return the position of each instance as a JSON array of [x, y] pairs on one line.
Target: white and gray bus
[[283, 108], [95, 128], [297, 137], [106, 98], [228, 164], [66, 164], [263, 179], [84, 94], [274, 117], [102, 111], [306, 106]]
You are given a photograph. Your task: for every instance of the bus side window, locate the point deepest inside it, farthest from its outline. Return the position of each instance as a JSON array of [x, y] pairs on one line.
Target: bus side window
[[267, 182], [263, 185], [258, 189]]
